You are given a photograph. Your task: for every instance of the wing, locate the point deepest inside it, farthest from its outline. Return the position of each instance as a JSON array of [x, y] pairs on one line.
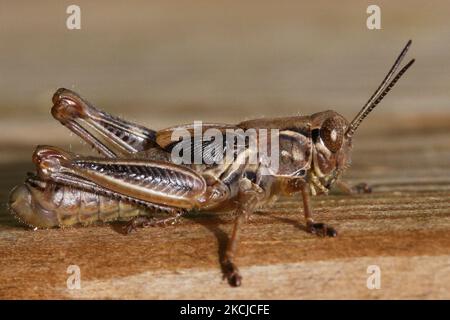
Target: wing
[[164, 137]]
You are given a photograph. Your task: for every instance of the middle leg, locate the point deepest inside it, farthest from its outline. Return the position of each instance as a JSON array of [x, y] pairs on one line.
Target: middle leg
[[250, 196]]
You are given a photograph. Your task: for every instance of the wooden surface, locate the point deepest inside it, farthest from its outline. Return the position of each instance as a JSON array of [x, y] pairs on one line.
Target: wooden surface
[[166, 62], [403, 227]]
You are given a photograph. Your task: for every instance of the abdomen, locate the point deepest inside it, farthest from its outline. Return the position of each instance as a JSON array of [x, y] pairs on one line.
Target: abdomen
[[45, 204]]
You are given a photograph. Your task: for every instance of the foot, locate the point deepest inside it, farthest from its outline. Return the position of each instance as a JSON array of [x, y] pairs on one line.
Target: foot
[[139, 222], [132, 225], [129, 227], [231, 272], [144, 222], [321, 229], [361, 188]]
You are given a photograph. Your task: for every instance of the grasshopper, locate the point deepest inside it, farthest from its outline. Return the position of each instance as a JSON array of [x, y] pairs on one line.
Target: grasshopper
[[135, 177]]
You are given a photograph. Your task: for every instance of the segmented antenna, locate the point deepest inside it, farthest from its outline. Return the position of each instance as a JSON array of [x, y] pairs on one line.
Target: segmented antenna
[[381, 91]]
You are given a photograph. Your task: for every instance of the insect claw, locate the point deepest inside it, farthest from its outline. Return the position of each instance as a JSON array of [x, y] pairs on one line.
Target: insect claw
[[149, 223], [235, 280], [129, 227], [321, 229], [231, 273], [362, 188]]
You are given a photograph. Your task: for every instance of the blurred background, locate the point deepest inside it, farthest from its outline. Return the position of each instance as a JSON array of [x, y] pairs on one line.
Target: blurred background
[[165, 62]]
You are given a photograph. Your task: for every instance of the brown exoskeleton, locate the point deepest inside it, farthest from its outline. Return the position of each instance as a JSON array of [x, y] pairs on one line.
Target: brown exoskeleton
[[136, 175]]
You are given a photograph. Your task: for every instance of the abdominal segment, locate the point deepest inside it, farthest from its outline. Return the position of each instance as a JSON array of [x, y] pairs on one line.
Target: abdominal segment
[[46, 204]]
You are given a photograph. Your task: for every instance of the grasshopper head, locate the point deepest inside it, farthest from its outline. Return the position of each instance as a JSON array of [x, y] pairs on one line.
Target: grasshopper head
[[332, 134], [331, 146]]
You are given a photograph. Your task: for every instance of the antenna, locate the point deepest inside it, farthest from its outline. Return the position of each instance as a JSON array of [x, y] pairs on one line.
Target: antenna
[[381, 91]]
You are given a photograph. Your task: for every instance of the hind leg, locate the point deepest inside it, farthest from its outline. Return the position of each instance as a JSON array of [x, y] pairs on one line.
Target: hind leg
[[144, 221], [111, 136]]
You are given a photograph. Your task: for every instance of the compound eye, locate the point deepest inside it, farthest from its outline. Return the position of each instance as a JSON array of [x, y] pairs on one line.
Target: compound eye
[[332, 133]]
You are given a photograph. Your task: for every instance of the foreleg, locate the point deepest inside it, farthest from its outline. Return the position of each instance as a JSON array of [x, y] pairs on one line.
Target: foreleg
[[292, 186]]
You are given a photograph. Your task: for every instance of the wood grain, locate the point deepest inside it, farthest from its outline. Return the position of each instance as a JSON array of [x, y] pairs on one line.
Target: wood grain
[[403, 227]]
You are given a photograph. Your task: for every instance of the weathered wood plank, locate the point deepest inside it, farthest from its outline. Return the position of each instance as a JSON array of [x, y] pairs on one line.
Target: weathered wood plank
[[403, 226]]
